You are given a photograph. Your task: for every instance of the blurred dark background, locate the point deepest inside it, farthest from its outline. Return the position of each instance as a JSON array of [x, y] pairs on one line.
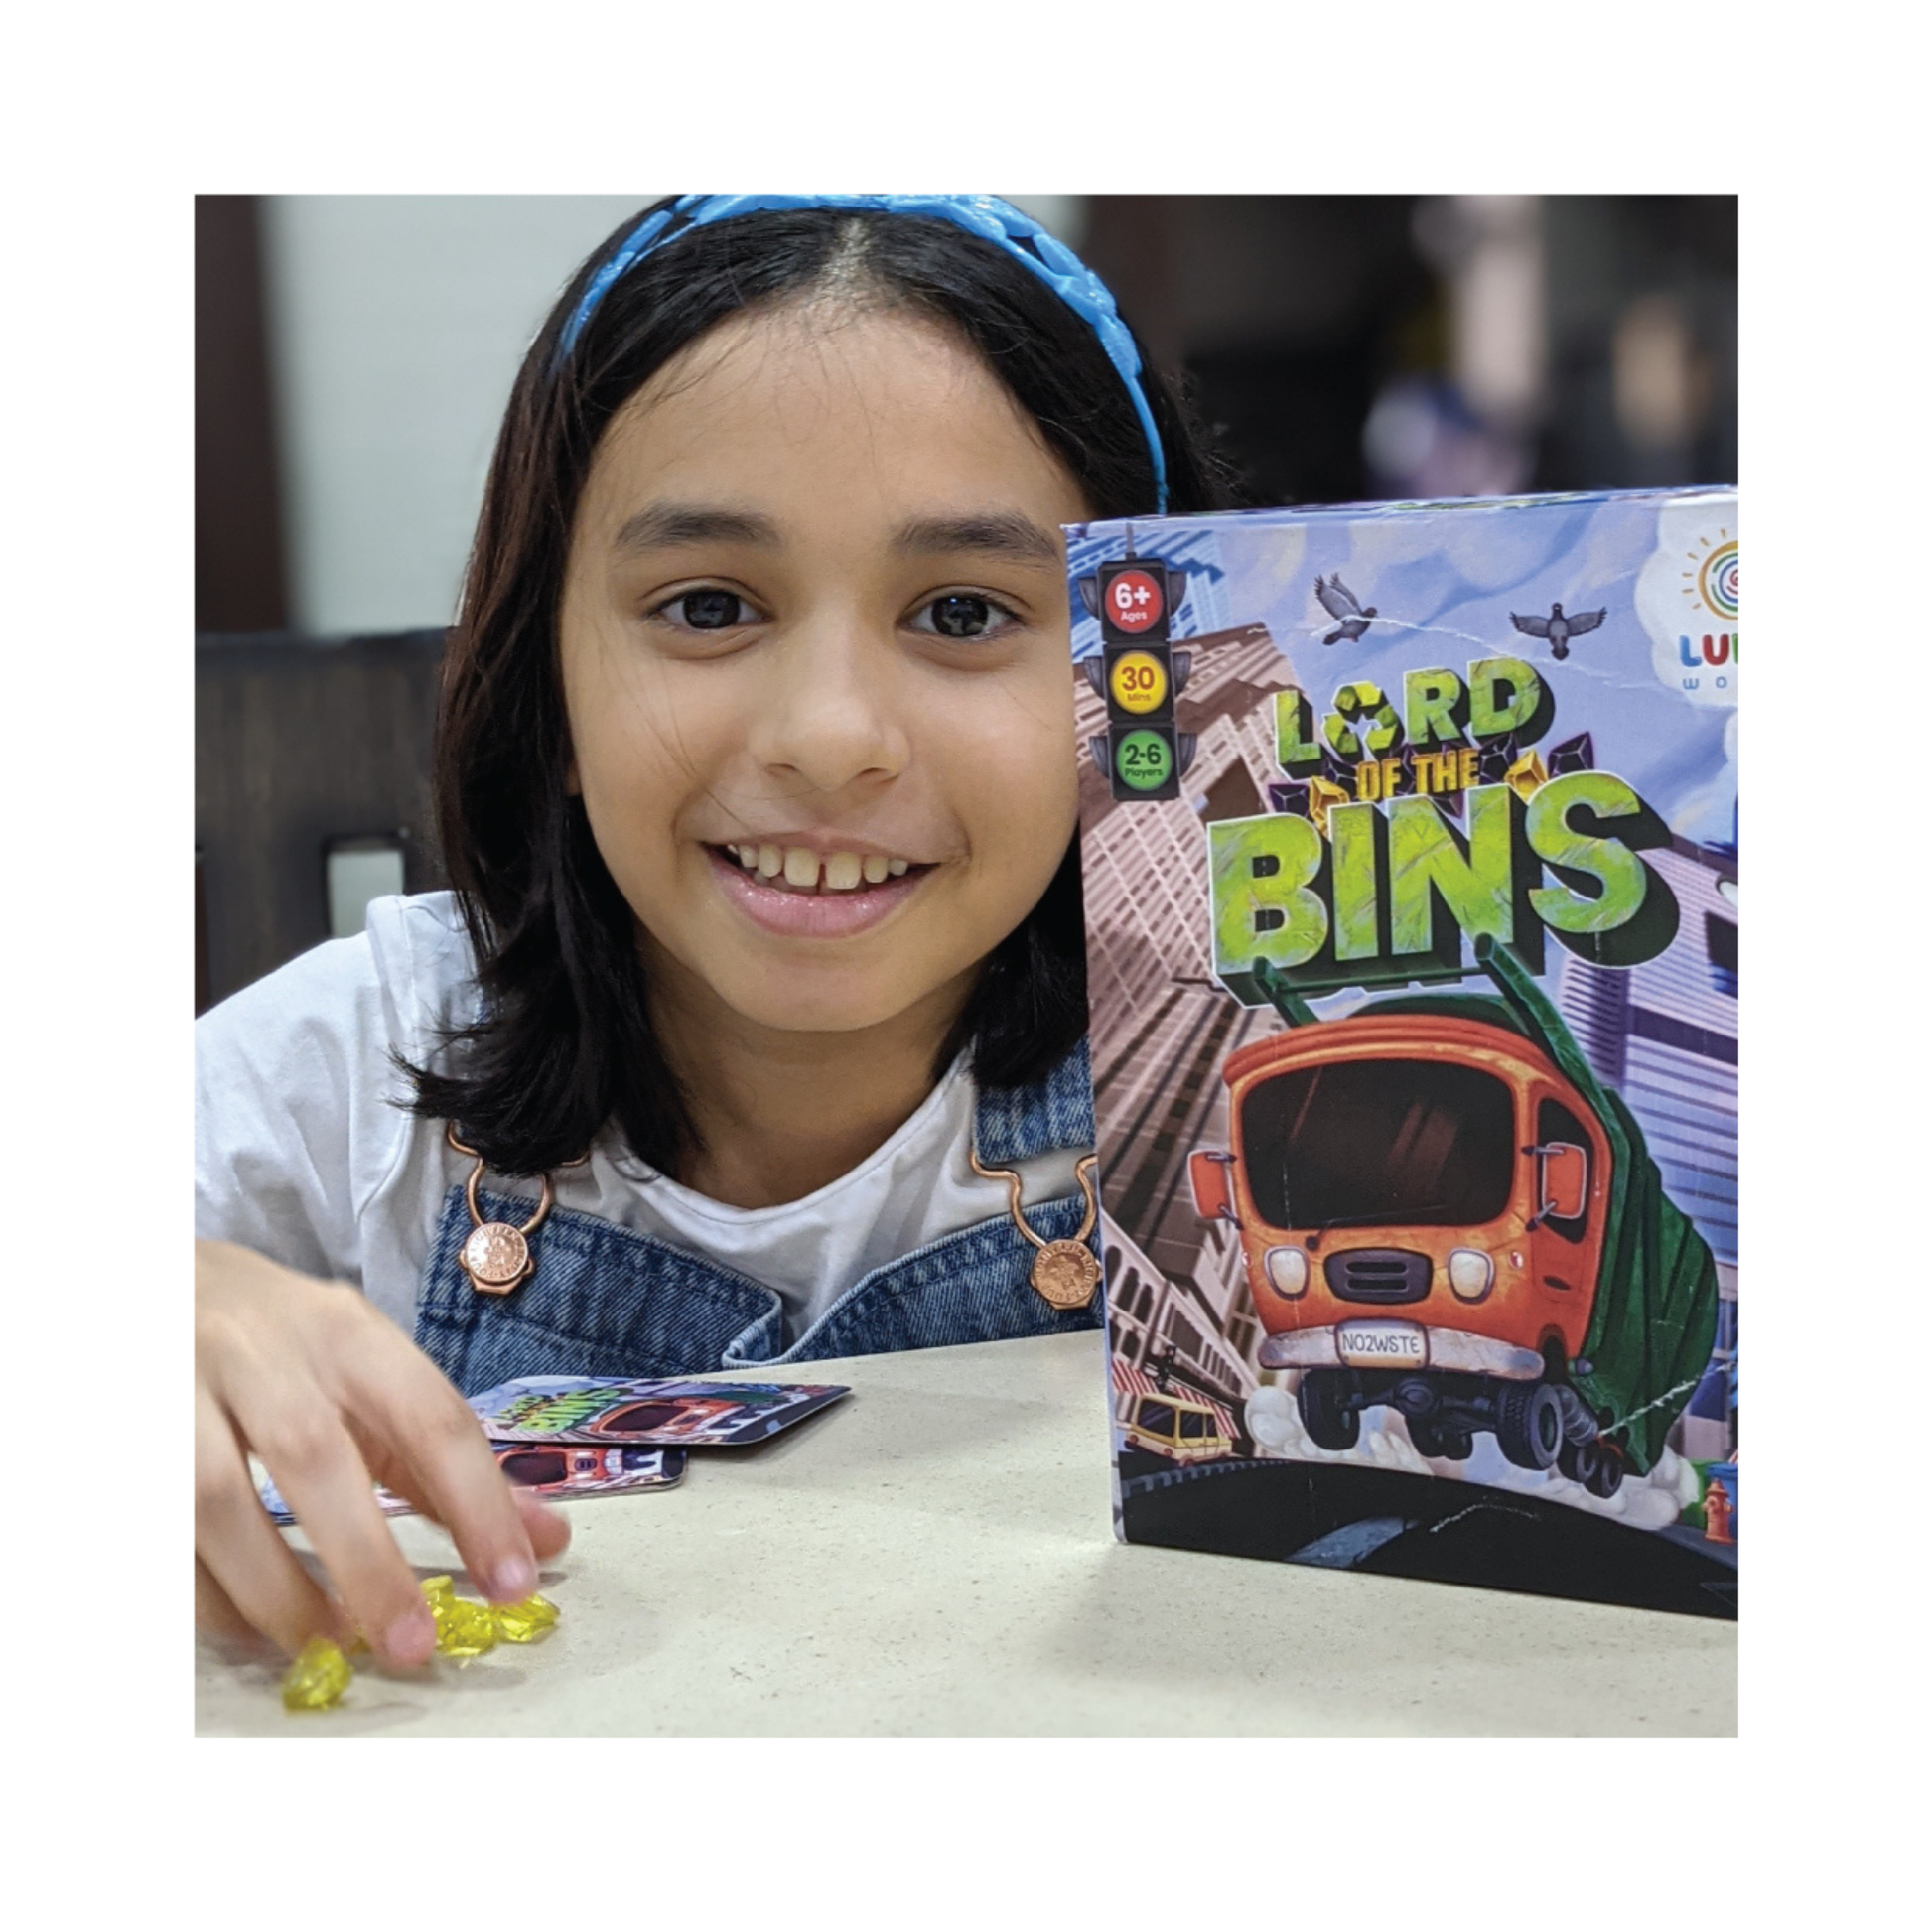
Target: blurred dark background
[[1355, 347], [353, 354]]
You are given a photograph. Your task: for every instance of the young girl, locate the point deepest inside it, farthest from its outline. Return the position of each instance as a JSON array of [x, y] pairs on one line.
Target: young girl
[[752, 1030]]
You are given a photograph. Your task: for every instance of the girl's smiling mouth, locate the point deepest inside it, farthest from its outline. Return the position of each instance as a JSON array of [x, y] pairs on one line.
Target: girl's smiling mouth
[[801, 892]]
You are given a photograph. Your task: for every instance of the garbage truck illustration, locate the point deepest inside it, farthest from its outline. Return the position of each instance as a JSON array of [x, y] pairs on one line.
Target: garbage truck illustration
[[1443, 1210]]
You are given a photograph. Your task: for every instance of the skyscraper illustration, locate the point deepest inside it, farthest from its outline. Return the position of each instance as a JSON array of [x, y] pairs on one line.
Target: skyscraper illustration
[[1164, 1026]]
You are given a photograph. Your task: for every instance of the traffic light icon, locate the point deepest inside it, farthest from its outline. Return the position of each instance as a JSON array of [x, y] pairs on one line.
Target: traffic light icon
[[1139, 674]]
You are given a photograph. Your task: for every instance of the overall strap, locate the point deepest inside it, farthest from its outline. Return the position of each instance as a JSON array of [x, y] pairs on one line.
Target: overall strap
[[1016, 1123]]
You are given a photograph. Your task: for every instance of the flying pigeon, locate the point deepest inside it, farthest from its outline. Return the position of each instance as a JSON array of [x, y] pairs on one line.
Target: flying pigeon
[[1558, 627], [1339, 602]]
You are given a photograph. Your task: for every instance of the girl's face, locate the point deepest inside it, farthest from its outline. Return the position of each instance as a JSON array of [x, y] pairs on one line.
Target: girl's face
[[815, 658]]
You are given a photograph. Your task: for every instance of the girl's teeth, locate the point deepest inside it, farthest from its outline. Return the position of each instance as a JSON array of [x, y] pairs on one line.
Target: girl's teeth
[[804, 869]]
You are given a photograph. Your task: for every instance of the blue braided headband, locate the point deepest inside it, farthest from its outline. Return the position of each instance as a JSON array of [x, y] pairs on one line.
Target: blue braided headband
[[981, 214]]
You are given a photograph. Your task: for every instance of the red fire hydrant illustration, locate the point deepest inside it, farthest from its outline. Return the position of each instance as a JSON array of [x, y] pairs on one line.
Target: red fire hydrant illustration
[[1716, 1514]]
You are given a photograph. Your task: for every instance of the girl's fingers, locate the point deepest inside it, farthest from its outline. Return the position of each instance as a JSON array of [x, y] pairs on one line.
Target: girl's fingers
[[444, 1465], [548, 1529], [215, 1615], [423, 1440], [325, 1390], [309, 1452], [241, 1553]]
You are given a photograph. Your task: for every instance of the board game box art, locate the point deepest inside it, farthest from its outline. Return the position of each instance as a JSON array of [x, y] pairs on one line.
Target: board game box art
[[1409, 840]]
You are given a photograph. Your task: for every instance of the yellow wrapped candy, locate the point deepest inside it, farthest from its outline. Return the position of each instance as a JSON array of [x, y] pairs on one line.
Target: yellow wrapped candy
[[435, 1586], [463, 1630], [318, 1677], [525, 1622]]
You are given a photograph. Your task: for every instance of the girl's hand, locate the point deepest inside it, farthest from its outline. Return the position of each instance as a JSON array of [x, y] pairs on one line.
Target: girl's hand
[[334, 1398]]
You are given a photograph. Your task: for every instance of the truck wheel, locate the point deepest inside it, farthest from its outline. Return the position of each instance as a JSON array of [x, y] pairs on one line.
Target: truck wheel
[[1595, 1464], [1529, 1425], [1606, 1478], [1325, 1413]]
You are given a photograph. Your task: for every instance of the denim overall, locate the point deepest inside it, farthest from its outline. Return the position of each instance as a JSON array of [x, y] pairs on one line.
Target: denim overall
[[605, 1301]]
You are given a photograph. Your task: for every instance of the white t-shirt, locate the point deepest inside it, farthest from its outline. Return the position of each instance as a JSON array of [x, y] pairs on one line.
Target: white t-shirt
[[302, 1154]]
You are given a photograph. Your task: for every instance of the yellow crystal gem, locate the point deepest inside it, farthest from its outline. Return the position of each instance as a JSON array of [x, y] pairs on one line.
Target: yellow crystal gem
[[525, 1622], [1525, 775], [1322, 797], [318, 1677], [463, 1629], [435, 1586]]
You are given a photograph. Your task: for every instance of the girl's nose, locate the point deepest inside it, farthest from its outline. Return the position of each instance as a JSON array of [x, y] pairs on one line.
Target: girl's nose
[[827, 711]]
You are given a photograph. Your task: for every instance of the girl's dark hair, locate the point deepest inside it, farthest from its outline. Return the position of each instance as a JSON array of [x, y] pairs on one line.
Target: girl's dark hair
[[563, 1044]]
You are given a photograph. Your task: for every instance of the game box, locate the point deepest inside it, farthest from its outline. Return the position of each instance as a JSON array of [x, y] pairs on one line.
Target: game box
[[1409, 840]]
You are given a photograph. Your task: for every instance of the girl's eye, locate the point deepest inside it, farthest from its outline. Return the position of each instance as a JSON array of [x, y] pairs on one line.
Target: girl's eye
[[962, 614], [707, 610]]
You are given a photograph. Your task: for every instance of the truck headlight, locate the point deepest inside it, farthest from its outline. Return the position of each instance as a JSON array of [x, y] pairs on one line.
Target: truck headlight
[[1470, 1271], [1288, 1269]]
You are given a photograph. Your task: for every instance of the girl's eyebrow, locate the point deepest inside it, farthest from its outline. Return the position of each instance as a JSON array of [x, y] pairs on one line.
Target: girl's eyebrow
[[997, 533], [673, 524]]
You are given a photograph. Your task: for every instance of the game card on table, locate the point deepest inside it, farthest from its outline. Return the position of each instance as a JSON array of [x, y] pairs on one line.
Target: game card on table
[[686, 1414]]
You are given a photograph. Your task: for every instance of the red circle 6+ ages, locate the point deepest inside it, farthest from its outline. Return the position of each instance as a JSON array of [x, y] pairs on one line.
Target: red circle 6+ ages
[[1135, 599]]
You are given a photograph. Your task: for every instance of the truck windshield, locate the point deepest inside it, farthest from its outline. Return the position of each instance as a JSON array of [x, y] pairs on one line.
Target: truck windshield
[[1421, 1142]]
